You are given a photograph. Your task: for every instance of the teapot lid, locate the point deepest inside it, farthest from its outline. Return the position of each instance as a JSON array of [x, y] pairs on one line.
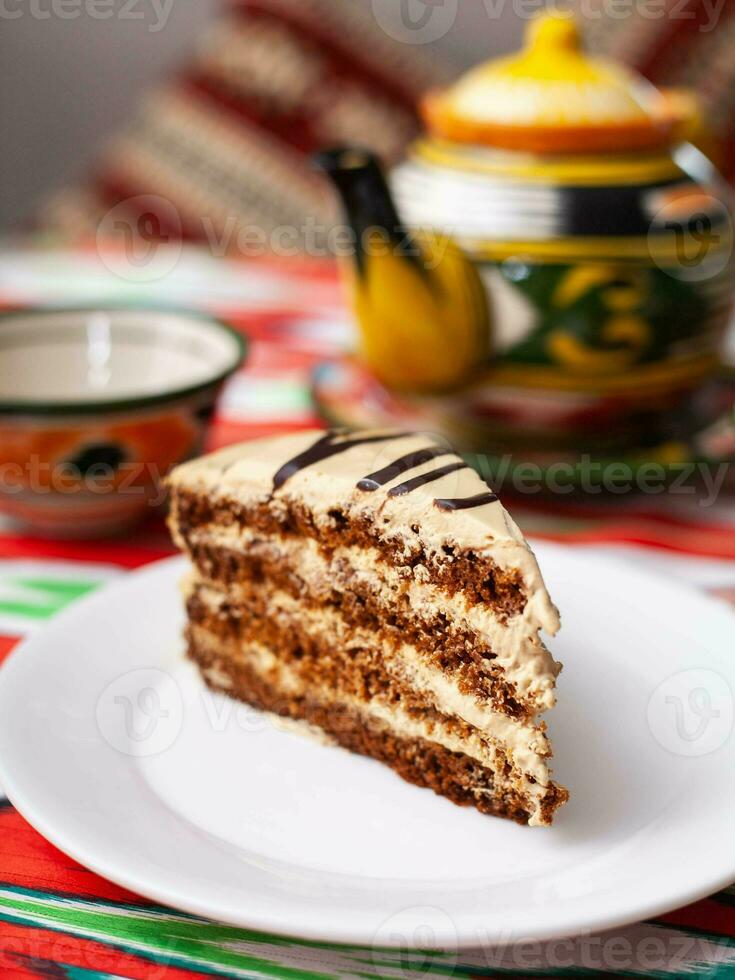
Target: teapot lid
[[553, 98]]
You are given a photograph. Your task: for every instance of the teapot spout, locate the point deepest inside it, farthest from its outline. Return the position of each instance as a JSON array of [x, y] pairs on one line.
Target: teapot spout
[[419, 303], [359, 180]]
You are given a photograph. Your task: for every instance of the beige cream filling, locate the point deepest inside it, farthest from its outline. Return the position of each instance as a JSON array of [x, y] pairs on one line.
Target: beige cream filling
[[516, 643], [265, 663], [243, 475], [525, 743]]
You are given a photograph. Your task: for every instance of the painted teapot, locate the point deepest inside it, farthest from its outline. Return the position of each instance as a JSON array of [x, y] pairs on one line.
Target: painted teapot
[[603, 240]]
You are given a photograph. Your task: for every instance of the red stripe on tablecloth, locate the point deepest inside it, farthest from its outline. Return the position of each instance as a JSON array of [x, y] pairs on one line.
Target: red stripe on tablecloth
[[16, 972], [25, 950], [114, 552], [705, 542], [707, 915], [613, 514], [268, 360], [30, 861], [310, 267], [607, 507], [6, 645]]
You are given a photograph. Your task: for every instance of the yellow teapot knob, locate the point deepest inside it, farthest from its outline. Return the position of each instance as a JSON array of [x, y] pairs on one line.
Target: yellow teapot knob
[[553, 32]]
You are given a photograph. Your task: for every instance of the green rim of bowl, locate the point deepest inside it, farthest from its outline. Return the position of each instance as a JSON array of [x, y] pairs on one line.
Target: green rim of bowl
[[21, 407]]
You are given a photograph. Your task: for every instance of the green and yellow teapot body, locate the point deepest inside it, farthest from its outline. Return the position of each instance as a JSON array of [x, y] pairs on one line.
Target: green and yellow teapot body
[[602, 237]]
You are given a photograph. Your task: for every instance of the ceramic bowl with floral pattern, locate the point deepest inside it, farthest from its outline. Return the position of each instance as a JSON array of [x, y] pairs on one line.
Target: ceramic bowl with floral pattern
[[97, 405]]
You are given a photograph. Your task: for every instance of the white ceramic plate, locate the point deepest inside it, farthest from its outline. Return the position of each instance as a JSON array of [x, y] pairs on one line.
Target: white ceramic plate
[[114, 751]]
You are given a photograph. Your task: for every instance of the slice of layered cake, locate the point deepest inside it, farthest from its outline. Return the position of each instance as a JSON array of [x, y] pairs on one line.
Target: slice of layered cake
[[372, 586]]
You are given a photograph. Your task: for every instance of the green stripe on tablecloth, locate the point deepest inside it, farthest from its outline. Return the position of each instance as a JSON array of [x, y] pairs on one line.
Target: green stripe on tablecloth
[[167, 937], [34, 590], [40, 598]]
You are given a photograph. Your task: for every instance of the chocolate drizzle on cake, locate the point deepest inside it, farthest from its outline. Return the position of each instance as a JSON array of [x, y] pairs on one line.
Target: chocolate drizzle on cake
[[327, 446], [374, 481], [424, 478], [466, 503], [322, 449]]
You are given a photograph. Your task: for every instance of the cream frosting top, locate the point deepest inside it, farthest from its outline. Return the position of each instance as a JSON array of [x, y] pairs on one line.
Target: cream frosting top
[[245, 473]]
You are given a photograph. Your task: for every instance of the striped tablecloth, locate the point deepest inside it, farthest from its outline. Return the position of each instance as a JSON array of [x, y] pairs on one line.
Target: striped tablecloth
[[58, 920]]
